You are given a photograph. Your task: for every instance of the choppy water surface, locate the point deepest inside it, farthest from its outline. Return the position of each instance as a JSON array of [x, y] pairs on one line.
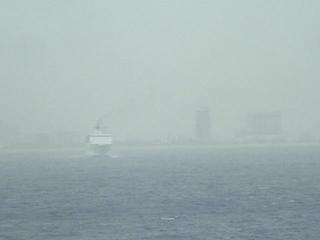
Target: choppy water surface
[[162, 193]]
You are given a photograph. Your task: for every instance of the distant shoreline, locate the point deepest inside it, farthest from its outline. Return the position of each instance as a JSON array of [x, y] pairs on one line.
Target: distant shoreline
[[162, 145]]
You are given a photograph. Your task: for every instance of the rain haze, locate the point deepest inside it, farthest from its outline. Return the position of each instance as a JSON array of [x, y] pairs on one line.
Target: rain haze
[[159, 119], [147, 66]]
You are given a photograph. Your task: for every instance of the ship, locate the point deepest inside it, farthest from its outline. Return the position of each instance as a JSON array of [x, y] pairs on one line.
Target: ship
[[99, 142]]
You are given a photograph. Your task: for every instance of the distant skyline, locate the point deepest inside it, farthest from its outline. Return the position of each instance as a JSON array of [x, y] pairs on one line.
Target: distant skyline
[[149, 65]]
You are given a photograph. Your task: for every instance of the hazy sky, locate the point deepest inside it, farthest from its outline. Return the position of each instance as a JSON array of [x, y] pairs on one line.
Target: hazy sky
[[149, 64]]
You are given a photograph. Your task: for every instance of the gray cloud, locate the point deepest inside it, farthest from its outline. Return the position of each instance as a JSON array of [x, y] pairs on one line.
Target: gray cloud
[[150, 64]]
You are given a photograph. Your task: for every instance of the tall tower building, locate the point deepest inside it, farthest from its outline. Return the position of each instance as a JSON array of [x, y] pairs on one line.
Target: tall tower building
[[203, 125]]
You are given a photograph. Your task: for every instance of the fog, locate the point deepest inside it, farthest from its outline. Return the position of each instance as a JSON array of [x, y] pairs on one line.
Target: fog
[[148, 66]]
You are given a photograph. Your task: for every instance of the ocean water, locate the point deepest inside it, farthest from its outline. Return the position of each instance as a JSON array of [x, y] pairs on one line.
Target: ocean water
[[162, 193]]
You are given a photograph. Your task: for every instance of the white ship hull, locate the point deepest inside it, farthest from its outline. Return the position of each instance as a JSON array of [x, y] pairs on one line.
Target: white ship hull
[[98, 150]]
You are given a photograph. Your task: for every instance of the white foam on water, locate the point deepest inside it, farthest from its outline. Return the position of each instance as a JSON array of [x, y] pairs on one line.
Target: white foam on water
[[168, 218]]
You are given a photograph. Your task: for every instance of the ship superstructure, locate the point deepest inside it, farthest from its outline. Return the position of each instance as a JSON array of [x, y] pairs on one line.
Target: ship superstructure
[[99, 142]]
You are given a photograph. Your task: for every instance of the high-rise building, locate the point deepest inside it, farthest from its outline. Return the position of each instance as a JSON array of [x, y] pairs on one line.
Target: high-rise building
[[264, 124], [203, 125]]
